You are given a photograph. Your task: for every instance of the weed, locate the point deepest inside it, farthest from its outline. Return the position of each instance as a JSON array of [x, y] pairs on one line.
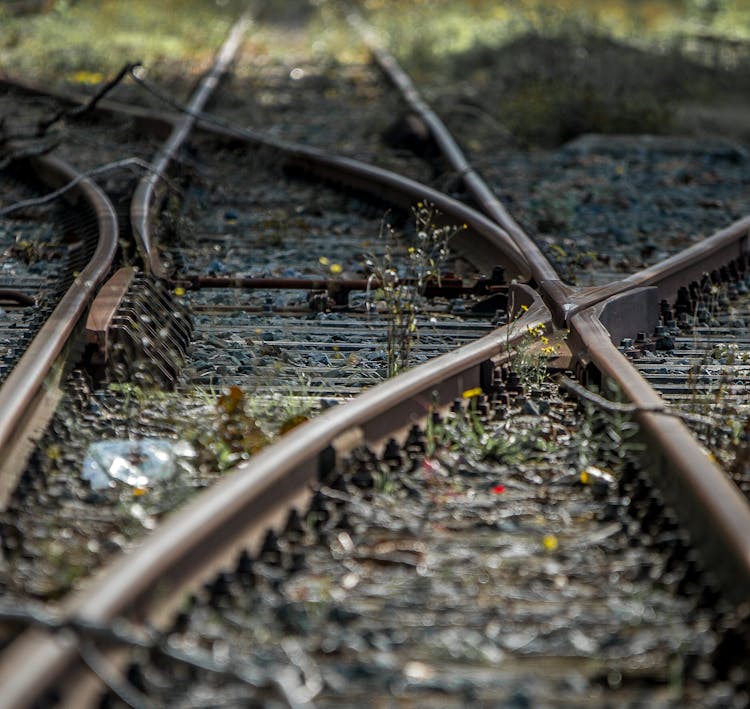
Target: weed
[[463, 430], [401, 286], [606, 437], [529, 355]]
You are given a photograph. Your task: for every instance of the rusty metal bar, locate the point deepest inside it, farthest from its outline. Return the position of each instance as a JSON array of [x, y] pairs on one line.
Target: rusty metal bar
[[151, 581], [541, 269], [151, 189], [27, 378], [105, 306], [697, 486], [731, 244], [708, 504], [484, 241]]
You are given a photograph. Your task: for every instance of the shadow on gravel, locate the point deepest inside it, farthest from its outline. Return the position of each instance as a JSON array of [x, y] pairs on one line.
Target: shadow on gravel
[[547, 90]]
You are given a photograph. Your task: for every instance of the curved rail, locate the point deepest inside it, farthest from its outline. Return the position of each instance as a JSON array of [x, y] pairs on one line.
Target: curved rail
[[151, 189], [240, 508], [244, 505], [542, 271], [494, 244], [23, 388], [707, 502], [150, 582], [711, 254]]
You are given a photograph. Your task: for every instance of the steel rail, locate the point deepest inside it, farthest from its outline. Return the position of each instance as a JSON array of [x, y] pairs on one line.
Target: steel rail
[[152, 188], [390, 187], [494, 242], [386, 185], [179, 551], [731, 244], [710, 254], [717, 251], [149, 583], [26, 382], [593, 344], [714, 251], [247, 505], [706, 501], [542, 271]]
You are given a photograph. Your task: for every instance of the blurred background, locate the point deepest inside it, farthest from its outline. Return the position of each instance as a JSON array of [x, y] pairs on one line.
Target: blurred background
[[546, 71]]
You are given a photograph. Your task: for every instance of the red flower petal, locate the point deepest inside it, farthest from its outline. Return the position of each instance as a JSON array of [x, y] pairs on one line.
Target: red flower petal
[[498, 489]]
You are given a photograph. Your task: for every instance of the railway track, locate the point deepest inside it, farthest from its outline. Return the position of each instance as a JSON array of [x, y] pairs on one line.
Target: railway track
[[699, 366], [29, 244], [29, 391], [685, 490]]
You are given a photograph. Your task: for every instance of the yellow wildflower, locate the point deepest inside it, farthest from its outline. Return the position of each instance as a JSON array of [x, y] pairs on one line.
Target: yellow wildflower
[[323, 261], [336, 268], [550, 542], [179, 291], [471, 393]]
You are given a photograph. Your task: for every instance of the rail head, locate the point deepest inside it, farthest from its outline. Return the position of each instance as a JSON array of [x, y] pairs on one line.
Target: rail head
[[722, 249], [708, 504], [25, 381], [151, 581], [152, 187], [540, 267]]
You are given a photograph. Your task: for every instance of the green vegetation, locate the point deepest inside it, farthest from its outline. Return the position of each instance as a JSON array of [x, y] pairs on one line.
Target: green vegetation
[[403, 281], [434, 28], [98, 37], [86, 41], [544, 71], [529, 357], [548, 72]]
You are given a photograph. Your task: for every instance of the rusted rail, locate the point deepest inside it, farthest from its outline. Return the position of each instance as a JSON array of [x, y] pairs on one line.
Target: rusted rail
[[709, 505], [543, 273], [27, 395], [484, 241], [243, 507], [706, 501], [152, 189], [207, 533]]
